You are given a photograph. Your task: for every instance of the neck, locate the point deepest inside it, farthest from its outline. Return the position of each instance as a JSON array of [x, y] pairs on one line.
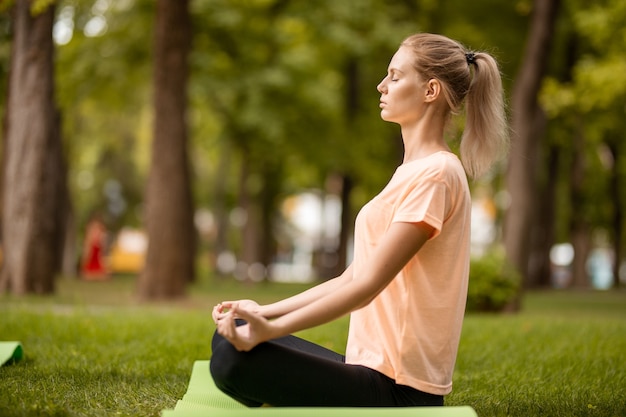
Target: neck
[[423, 138]]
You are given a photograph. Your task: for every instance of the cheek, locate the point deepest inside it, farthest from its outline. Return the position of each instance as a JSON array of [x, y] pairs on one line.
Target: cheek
[[407, 96], [404, 88], [404, 103]]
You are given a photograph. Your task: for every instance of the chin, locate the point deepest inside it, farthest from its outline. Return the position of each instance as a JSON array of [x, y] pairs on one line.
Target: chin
[[387, 118]]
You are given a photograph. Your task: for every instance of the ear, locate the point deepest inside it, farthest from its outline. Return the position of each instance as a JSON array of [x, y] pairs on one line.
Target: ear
[[433, 90]]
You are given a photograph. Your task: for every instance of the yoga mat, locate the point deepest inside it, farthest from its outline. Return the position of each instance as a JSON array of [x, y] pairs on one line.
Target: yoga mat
[[202, 390], [204, 399], [10, 352]]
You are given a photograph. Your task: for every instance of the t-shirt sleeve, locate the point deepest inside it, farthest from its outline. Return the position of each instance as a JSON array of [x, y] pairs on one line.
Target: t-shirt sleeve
[[424, 201]]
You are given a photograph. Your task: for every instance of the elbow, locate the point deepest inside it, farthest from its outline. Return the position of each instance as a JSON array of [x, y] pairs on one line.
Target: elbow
[[365, 301], [362, 305]]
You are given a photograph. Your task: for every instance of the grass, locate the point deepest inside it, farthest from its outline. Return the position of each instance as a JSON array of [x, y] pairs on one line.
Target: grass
[[92, 350], [561, 357]]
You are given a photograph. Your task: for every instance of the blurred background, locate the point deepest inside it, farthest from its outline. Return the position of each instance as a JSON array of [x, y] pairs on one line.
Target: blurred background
[[183, 140]]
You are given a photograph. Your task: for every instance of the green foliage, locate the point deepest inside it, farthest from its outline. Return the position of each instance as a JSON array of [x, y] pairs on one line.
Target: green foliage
[[277, 86], [269, 83], [40, 6], [493, 283], [6, 5], [584, 98]]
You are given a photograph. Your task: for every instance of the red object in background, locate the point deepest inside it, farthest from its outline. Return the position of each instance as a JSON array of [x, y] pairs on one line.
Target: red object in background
[[93, 266]]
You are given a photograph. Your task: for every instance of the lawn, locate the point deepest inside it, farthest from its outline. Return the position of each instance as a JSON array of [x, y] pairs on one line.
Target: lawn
[[92, 350]]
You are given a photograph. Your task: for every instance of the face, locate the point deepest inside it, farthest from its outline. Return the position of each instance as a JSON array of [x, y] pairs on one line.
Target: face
[[402, 91]]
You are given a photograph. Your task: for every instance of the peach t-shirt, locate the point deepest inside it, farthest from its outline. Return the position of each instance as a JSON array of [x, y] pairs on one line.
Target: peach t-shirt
[[411, 330]]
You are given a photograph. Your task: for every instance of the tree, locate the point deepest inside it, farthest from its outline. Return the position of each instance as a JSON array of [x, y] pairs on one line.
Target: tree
[[258, 80], [106, 133], [585, 108], [526, 135], [169, 208], [34, 190]]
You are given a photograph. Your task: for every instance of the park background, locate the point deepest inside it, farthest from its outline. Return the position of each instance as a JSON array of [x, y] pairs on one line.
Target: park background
[[227, 145]]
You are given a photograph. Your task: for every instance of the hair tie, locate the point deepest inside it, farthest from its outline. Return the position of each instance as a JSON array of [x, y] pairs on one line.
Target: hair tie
[[469, 57]]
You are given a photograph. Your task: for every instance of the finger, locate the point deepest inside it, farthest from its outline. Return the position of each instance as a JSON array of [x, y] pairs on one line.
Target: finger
[[226, 305], [224, 325], [215, 313], [248, 316], [231, 332], [220, 310], [221, 327]]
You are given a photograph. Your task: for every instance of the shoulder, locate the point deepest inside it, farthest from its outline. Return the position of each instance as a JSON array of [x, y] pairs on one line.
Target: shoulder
[[439, 167]]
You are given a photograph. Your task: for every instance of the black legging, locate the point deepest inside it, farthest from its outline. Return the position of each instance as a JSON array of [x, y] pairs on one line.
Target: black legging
[[294, 372]]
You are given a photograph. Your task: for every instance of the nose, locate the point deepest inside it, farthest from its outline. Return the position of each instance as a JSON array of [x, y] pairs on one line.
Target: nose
[[382, 86]]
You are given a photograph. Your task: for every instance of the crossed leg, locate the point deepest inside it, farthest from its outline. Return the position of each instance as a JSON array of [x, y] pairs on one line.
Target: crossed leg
[[294, 372]]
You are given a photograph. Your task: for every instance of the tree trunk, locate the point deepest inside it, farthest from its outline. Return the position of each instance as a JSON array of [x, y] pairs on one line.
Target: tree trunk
[[169, 215], [580, 228], [346, 222], [249, 204], [34, 184], [220, 207], [617, 193], [69, 261], [539, 270], [523, 162], [581, 242], [353, 96], [272, 175]]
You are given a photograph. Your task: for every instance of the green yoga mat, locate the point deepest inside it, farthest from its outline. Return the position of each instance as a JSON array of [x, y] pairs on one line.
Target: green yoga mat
[[204, 399], [10, 352]]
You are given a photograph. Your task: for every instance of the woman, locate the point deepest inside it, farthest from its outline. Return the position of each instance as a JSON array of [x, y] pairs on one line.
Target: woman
[[407, 285]]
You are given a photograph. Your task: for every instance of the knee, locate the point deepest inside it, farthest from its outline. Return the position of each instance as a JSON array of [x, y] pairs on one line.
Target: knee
[[225, 362], [230, 370]]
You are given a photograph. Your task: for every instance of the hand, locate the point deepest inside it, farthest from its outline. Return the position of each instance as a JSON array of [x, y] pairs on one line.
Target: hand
[[256, 330], [222, 308]]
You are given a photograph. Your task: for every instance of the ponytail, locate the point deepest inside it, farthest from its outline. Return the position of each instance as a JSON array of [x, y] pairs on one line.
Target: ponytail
[[485, 136], [475, 78]]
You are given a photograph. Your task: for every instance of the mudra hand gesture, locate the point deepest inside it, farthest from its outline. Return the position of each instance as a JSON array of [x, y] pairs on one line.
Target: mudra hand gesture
[[244, 337]]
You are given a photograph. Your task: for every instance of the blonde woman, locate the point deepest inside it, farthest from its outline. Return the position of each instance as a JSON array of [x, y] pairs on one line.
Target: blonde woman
[[407, 285]]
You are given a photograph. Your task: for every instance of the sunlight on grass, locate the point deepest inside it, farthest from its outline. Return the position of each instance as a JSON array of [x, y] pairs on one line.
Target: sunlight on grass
[[93, 350]]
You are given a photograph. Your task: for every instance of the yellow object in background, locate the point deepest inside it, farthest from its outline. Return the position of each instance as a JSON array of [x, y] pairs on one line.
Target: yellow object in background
[[128, 252]]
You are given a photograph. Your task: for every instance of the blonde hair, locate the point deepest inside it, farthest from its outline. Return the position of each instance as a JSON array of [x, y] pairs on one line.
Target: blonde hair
[[485, 135]]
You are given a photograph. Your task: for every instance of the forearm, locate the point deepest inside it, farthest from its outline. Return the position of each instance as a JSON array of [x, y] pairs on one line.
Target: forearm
[[258, 328], [333, 305], [307, 297]]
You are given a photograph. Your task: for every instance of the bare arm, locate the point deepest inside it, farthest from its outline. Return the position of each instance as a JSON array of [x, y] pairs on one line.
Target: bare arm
[[401, 242], [290, 304], [287, 305]]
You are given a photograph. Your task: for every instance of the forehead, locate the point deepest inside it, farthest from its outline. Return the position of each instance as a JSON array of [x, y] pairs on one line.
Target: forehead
[[402, 60]]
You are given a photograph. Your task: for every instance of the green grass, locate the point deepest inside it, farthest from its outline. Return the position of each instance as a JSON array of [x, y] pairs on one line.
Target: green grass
[[560, 361], [92, 350]]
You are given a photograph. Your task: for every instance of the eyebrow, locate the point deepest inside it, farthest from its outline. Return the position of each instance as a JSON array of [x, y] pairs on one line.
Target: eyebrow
[[394, 69]]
